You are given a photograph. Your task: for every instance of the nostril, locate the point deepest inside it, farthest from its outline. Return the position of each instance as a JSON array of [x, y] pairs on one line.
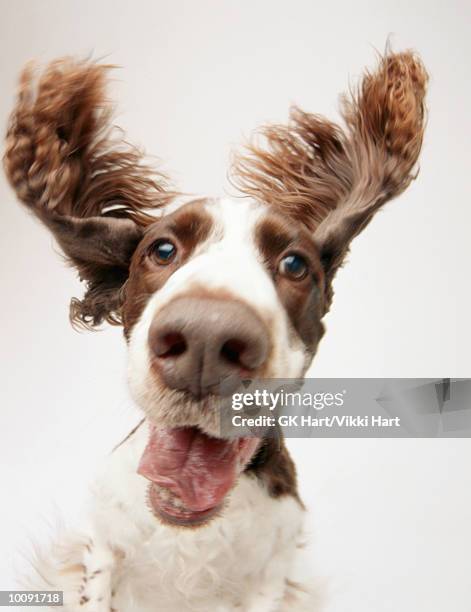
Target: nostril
[[231, 351], [172, 344]]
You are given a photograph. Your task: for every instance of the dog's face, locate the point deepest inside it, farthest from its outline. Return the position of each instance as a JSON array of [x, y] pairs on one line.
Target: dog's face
[[218, 291], [215, 291]]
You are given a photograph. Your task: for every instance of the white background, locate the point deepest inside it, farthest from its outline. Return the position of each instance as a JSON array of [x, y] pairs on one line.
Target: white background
[[390, 521]]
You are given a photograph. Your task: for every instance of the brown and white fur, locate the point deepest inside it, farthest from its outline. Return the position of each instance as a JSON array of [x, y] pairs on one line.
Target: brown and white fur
[[312, 186]]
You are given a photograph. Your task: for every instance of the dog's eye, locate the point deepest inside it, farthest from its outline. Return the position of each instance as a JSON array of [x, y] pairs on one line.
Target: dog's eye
[[164, 251], [293, 266]]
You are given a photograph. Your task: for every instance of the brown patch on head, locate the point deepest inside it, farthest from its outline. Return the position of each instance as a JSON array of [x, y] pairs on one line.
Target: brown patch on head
[[186, 228], [191, 224], [276, 237]]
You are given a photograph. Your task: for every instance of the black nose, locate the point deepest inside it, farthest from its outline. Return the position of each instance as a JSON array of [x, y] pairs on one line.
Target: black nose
[[205, 345]]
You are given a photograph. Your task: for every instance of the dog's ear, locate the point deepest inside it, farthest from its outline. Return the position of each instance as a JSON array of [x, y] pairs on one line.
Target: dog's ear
[[332, 179], [385, 123], [92, 190]]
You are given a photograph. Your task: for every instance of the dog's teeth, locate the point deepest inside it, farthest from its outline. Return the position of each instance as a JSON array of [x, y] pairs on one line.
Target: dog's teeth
[[168, 497]]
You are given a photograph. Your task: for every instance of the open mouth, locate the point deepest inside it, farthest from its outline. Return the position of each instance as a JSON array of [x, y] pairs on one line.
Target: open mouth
[[191, 473]]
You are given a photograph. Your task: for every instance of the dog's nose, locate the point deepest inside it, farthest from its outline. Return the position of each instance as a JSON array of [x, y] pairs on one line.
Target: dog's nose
[[206, 345]]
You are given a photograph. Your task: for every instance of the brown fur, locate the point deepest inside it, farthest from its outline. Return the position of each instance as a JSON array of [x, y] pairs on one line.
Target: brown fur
[[303, 299], [274, 467], [334, 180], [96, 195], [66, 165], [187, 227], [296, 168]]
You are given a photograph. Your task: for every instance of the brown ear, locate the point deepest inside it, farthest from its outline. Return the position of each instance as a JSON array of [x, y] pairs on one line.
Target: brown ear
[[385, 124], [334, 180], [101, 249], [89, 188]]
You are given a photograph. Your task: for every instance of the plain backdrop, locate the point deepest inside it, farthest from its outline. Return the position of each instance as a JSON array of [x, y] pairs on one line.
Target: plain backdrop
[[390, 520]]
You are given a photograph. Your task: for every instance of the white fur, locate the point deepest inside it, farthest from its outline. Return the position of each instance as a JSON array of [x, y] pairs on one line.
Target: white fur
[[125, 559], [227, 260]]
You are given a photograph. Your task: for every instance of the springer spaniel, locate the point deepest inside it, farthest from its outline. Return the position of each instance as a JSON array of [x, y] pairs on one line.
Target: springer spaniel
[[210, 290]]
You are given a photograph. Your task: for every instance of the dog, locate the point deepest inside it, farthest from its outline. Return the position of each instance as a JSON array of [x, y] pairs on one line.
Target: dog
[[207, 290]]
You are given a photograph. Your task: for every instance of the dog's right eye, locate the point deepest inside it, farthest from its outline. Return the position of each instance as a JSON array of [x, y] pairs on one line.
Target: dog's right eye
[[164, 251], [293, 266]]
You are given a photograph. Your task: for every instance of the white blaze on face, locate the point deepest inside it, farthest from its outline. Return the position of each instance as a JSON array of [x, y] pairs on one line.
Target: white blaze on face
[[227, 261]]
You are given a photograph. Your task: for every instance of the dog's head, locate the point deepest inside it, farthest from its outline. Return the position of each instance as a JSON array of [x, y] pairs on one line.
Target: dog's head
[[211, 291]]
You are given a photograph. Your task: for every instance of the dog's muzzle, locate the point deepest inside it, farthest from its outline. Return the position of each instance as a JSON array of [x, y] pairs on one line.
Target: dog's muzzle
[[204, 345]]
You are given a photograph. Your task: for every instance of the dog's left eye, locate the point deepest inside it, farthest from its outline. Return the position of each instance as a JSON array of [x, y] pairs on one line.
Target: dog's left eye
[[164, 251], [293, 266]]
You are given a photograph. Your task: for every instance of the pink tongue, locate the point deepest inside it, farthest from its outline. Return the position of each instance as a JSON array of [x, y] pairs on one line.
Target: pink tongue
[[198, 469]]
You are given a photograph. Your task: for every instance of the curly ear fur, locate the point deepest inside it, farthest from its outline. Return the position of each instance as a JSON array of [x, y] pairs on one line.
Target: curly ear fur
[[333, 179], [91, 189], [385, 124], [300, 168]]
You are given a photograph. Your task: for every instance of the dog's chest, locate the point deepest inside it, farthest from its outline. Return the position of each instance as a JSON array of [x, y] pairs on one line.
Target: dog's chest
[[188, 569]]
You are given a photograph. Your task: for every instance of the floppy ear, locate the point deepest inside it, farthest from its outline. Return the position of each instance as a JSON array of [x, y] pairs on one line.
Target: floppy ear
[[334, 180], [89, 188], [385, 124]]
